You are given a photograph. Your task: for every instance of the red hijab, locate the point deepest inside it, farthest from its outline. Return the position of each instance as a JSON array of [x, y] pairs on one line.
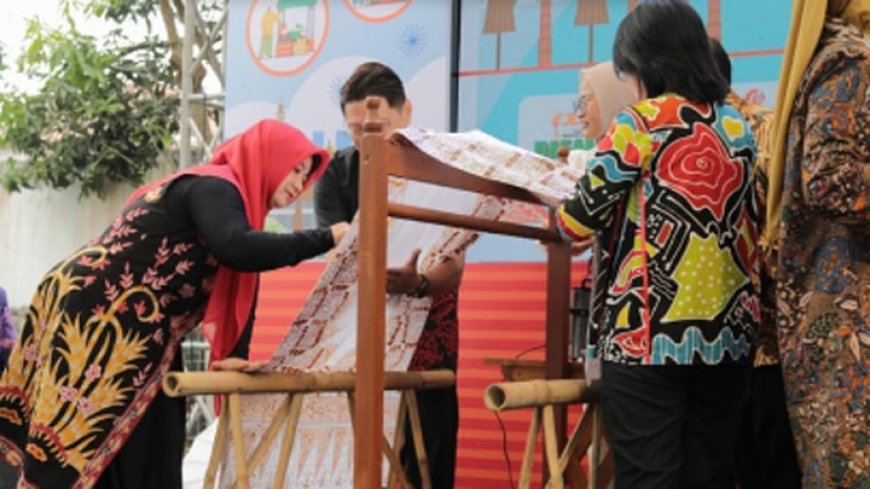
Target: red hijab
[[255, 162]]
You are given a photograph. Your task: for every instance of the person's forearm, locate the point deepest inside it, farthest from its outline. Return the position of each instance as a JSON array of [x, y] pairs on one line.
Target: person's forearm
[[445, 277]]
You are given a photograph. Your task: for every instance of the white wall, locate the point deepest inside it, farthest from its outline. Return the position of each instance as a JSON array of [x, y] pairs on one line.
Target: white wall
[[40, 227]]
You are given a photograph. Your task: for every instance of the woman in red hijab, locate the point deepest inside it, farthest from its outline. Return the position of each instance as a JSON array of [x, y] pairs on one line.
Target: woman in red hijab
[[80, 404]]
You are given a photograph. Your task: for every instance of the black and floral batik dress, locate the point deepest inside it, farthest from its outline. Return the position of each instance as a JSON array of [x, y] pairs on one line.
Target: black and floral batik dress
[[104, 326]]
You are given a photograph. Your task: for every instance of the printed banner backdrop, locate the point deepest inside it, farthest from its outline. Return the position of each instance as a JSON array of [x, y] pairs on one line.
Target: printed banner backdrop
[[518, 75], [288, 59], [520, 61]]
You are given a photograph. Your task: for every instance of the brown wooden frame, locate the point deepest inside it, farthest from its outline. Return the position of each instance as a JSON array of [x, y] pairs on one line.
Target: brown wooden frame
[[380, 159]]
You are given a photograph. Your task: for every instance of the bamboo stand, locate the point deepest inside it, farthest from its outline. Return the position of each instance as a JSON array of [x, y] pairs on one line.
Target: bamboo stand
[[232, 385], [563, 465]]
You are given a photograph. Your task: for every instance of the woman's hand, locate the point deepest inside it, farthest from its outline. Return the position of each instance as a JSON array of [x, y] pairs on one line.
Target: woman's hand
[[578, 247], [338, 229], [233, 364]]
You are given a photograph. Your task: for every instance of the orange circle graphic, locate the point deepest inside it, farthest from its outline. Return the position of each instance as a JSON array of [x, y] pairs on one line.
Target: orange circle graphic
[[292, 71], [368, 18]]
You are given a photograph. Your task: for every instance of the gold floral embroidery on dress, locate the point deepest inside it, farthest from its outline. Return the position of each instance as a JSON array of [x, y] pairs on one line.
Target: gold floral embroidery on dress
[[86, 362]]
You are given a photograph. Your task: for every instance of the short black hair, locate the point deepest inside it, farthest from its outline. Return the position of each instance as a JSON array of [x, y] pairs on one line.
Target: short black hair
[[664, 44], [720, 56], [373, 79]]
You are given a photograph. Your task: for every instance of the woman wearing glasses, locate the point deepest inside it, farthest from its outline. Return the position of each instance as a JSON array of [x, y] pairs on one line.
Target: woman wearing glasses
[[600, 97]]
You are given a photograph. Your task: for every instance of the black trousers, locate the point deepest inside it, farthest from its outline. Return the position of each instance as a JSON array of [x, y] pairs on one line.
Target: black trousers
[[673, 426], [439, 415], [765, 455]]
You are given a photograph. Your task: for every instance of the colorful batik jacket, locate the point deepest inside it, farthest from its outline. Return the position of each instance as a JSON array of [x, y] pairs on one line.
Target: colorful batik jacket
[[671, 187]]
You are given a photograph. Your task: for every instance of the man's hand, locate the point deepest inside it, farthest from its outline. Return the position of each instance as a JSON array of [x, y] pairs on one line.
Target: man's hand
[[238, 365], [404, 279]]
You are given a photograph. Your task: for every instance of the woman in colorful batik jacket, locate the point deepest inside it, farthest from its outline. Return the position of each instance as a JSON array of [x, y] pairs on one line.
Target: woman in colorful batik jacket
[[818, 207], [80, 404], [671, 182]]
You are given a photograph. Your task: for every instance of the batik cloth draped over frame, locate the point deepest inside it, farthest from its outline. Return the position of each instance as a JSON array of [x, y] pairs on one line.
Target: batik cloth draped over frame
[[323, 336]]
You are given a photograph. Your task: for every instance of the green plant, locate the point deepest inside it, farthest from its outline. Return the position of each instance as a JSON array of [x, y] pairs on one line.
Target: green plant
[[105, 110]]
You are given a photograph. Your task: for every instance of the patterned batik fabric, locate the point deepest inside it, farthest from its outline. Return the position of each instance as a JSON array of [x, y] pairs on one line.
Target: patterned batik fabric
[[323, 339], [684, 285], [101, 330], [438, 346], [824, 264], [760, 119]]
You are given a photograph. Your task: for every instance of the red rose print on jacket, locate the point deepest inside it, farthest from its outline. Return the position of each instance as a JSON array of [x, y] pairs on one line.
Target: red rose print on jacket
[[699, 168]]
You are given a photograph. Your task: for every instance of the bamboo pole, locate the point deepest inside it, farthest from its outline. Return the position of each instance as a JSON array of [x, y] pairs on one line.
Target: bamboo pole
[[536, 393], [271, 432], [417, 435], [289, 437], [238, 441], [551, 448], [399, 435], [217, 449], [577, 445], [176, 384], [528, 454], [396, 465]]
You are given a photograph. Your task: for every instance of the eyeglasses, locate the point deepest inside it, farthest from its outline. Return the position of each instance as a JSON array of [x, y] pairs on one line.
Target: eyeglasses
[[582, 103], [357, 129]]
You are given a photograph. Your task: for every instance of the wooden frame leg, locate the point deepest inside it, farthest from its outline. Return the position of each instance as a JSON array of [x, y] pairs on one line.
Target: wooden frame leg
[[387, 451], [217, 448]]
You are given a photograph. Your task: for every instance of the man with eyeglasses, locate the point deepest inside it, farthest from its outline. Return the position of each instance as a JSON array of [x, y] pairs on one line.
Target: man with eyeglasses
[[336, 199]]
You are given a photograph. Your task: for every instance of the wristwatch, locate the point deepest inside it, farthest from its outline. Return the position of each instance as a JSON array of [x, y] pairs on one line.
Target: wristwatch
[[421, 289]]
